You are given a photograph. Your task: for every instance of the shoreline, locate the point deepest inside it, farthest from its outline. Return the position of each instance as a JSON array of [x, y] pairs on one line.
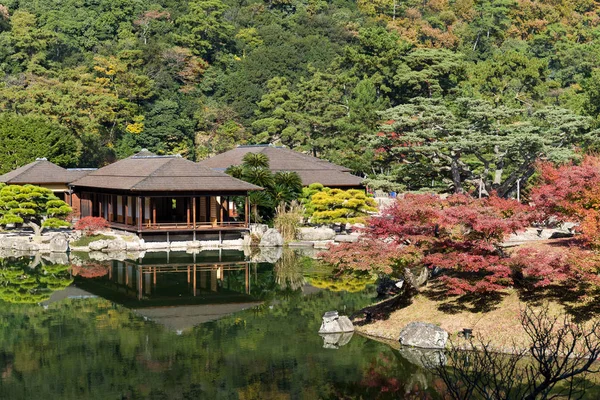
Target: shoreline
[[500, 325]]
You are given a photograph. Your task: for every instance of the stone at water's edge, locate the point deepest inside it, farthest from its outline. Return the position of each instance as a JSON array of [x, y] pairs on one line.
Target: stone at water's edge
[[59, 244], [271, 238], [316, 234], [333, 323], [346, 238], [98, 245], [115, 246], [423, 335], [323, 244]]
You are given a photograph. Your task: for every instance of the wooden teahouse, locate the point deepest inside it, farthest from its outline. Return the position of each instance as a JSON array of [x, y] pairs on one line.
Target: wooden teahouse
[[146, 193]]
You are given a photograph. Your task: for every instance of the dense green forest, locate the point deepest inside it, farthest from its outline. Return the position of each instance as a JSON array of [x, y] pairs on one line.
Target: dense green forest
[[442, 94]]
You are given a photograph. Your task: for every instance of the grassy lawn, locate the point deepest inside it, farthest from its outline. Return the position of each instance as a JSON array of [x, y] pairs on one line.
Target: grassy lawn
[[86, 240], [496, 320]]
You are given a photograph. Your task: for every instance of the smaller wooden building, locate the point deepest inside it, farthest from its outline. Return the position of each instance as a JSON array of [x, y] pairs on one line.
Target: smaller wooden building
[[310, 169], [146, 193], [43, 173]]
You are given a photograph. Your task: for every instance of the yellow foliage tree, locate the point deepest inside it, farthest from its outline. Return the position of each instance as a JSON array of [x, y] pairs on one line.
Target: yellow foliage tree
[[326, 205]]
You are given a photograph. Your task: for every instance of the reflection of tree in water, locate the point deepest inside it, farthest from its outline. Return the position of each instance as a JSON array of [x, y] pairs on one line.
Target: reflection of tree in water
[[24, 281], [289, 273]]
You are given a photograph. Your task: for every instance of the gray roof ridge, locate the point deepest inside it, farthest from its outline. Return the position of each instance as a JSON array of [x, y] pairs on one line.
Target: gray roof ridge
[[25, 168], [151, 174], [328, 164]]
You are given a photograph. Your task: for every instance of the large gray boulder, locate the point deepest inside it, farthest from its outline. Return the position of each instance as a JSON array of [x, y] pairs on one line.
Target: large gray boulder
[[346, 238], [334, 323], [25, 245], [6, 242], [98, 245], [271, 238], [423, 335], [59, 244], [323, 244], [316, 234], [115, 246]]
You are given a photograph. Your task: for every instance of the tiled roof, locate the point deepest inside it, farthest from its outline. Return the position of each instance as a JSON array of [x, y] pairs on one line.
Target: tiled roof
[[42, 172], [310, 169], [148, 172]]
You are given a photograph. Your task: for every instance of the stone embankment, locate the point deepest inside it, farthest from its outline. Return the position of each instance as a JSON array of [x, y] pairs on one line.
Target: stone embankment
[[115, 242]]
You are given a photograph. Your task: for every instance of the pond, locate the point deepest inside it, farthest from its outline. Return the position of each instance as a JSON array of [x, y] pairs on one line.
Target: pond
[[214, 325]]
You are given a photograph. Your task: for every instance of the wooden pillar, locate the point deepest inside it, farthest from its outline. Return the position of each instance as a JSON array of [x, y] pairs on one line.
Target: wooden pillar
[[100, 202], [139, 213], [194, 200], [247, 210], [221, 198], [188, 212], [126, 201], [153, 201]]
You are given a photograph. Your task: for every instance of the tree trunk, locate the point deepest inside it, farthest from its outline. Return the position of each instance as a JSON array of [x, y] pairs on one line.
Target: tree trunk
[[37, 229], [456, 175]]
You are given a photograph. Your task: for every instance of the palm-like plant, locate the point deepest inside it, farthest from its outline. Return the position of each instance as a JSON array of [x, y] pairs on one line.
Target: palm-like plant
[[259, 199], [282, 194], [259, 176], [256, 160], [237, 171], [281, 187], [289, 179]]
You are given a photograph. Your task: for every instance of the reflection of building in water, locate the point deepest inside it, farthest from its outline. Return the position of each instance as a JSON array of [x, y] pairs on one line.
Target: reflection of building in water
[[215, 275], [200, 278], [179, 291]]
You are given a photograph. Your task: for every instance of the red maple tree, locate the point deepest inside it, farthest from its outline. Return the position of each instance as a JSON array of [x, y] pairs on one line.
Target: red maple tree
[[460, 235], [572, 192], [91, 225]]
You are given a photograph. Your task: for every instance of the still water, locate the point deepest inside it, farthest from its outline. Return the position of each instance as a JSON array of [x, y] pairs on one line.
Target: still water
[[215, 325]]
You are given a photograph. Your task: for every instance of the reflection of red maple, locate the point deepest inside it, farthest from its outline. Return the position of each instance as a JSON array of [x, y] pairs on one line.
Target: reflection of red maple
[[380, 375], [89, 270]]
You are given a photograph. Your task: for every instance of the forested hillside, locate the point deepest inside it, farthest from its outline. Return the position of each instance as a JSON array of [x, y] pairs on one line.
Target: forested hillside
[[437, 94]]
